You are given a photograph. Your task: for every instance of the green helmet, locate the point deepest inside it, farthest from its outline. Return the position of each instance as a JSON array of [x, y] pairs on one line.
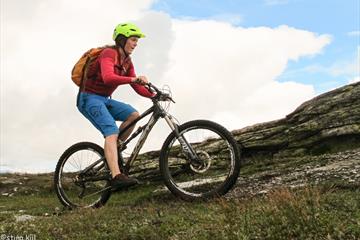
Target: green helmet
[[128, 30]]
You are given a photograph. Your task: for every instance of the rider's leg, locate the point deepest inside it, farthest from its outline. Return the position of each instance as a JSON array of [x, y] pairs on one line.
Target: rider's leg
[[130, 119], [100, 113], [110, 148], [118, 180]]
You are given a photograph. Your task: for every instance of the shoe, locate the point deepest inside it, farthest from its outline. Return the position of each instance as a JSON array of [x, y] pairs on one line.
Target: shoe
[[122, 181]]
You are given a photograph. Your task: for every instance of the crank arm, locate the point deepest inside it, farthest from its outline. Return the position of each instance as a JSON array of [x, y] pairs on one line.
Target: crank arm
[[95, 193]]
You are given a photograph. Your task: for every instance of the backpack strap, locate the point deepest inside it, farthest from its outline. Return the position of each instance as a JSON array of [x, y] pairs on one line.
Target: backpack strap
[[82, 82], [118, 61]]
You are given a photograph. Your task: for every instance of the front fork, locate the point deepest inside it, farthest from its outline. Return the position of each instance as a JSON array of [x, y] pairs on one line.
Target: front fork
[[187, 148]]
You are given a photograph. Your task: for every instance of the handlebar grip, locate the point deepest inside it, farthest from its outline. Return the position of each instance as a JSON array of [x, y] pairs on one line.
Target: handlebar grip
[[153, 87], [149, 88]]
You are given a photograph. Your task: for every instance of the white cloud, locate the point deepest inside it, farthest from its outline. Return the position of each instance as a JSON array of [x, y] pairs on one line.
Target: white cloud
[[228, 76], [222, 71], [272, 101]]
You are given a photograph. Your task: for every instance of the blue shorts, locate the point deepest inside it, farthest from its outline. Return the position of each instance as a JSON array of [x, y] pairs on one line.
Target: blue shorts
[[102, 112]]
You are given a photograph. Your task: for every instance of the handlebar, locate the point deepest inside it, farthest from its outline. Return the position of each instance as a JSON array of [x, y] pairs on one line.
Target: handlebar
[[160, 96]]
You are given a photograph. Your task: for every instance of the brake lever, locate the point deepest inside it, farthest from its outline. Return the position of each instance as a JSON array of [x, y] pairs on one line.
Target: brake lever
[[170, 98], [159, 93]]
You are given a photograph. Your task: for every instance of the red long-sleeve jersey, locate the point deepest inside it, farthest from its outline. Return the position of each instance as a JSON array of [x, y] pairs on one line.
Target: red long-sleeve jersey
[[109, 71]]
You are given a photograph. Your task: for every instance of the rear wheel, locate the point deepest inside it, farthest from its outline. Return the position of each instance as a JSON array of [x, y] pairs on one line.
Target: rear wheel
[[82, 177], [204, 162]]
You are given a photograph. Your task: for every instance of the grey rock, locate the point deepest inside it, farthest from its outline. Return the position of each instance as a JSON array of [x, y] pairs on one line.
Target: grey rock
[[9, 181], [327, 123], [23, 218]]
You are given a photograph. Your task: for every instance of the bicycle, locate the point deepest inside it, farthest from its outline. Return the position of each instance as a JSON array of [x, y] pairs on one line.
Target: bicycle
[[199, 159]]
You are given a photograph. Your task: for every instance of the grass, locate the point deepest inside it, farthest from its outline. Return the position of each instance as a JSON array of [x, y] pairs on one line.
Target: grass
[[313, 212]]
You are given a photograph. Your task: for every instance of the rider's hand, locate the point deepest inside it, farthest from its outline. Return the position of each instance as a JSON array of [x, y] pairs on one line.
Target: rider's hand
[[142, 80]]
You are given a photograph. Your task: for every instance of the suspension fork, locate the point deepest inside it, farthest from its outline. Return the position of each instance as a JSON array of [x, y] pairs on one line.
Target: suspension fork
[[190, 152]]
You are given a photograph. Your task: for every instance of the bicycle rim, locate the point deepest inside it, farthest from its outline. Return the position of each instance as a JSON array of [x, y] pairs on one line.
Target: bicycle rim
[[213, 175], [80, 189]]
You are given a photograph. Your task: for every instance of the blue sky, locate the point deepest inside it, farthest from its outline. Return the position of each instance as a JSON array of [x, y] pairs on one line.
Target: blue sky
[[339, 18]]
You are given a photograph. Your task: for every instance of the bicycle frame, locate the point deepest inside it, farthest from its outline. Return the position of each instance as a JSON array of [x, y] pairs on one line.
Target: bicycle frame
[[157, 112]]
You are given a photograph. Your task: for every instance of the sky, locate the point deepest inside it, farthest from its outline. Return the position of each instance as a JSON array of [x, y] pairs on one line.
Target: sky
[[235, 62]]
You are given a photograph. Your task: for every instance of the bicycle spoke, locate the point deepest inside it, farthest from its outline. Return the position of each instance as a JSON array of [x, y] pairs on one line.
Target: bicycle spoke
[[201, 162], [83, 188]]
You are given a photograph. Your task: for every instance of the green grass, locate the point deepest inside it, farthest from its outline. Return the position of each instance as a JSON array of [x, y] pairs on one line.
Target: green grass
[[319, 212]]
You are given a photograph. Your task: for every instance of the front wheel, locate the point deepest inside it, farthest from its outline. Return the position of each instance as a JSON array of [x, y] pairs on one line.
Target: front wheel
[[201, 162]]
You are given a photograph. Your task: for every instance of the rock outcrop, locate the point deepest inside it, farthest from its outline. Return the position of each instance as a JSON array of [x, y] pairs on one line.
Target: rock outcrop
[[328, 123], [337, 170]]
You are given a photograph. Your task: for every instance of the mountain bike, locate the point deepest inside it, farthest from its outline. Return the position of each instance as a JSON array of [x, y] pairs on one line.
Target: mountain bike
[[199, 159]]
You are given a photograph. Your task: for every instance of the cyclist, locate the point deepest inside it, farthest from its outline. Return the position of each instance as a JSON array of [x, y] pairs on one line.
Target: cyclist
[[113, 68]]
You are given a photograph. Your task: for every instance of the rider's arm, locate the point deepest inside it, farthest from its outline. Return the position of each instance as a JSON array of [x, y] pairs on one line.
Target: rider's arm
[[107, 63], [140, 89]]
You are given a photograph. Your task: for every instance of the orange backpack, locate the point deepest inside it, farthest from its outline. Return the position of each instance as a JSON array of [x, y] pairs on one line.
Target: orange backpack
[[79, 71]]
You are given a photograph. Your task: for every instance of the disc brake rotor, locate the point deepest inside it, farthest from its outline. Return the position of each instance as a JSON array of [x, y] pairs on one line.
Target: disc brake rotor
[[205, 160]]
